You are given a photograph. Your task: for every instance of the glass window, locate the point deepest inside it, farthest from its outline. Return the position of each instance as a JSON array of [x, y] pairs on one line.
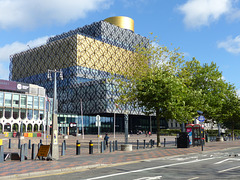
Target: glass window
[[8, 112], [23, 101], [29, 102], [36, 102], [1, 112], [35, 115], [41, 115], [15, 100], [1, 98], [30, 114], [23, 113], [29, 128], [42, 99], [15, 113], [8, 99]]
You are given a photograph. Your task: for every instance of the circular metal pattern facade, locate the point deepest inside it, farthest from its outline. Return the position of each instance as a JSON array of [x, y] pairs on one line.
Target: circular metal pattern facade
[[88, 56]]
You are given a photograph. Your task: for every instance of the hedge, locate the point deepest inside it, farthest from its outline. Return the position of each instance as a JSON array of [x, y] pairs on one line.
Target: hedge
[[170, 132]]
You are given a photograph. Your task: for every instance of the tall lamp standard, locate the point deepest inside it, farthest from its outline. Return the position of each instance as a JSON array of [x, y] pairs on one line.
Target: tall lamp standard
[[54, 135], [126, 125]]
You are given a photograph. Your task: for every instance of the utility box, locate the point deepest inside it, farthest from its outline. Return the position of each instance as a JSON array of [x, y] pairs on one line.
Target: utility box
[[183, 140]]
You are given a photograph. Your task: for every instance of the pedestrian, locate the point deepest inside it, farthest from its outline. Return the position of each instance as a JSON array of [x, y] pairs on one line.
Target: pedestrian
[[146, 133], [149, 133], [106, 139]]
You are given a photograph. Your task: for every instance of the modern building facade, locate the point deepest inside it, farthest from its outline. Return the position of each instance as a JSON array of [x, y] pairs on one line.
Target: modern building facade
[[88, 56], [23, 106]]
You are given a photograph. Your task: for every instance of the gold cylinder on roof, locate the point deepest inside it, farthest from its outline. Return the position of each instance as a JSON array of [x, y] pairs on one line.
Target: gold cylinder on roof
[[122, 22]]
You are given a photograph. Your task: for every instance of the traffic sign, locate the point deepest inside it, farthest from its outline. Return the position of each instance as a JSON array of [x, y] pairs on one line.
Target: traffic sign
[[201, 118], [98, 122], [98, 117]]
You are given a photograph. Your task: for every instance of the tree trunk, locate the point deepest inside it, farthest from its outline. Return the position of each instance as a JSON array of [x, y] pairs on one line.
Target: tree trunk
[[158, 128]]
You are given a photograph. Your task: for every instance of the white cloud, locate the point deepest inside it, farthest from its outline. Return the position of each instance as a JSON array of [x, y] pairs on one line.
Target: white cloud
[[202, 12], [231, 45], [16, 47], [13, 48], [30, 14]]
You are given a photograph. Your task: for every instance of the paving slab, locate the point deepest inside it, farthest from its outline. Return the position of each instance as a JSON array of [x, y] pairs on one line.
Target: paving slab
[[71, 162]]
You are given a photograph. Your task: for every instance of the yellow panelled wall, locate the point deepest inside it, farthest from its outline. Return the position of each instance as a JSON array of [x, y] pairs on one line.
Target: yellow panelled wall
[[98, 55]]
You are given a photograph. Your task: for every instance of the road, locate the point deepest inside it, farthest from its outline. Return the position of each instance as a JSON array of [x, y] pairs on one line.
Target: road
[[207, 165]]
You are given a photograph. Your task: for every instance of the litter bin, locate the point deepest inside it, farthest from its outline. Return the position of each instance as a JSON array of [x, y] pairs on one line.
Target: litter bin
[[183, 140]]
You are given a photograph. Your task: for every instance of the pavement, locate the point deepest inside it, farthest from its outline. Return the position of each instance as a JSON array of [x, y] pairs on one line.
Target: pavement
[[70, 162]]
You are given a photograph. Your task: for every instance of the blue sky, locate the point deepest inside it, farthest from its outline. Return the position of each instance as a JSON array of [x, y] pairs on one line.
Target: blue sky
[[208, 30]]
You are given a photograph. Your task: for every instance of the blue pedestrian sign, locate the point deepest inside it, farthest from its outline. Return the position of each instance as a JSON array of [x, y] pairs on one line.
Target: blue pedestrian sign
[[201, 118]]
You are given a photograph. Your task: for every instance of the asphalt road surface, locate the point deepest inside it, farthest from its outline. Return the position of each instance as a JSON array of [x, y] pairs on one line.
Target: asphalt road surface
[[207, 165]]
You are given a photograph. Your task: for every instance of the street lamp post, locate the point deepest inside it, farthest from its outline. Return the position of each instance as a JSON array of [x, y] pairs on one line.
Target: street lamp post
[[54, 136], [82, 120], [126, 126], [65, 129]]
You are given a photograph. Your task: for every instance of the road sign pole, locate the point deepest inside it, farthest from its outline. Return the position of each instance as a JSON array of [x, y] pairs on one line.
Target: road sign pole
[[98, 137], [98, 124], [202, 119], [202, 135]]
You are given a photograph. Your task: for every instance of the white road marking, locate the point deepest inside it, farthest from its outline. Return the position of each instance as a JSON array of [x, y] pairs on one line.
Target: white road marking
[[147, 169], [228, 169], [229, 159], [193, 178], [221, 161], [149, 178]]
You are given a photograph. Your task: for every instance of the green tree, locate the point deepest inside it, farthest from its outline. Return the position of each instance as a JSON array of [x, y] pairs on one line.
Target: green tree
[[231, 108], [208, 80], [218, 100], [151, 81]]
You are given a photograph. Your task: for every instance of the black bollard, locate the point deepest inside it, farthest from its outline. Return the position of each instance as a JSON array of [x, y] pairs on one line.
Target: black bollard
[[102, 146], [65, 145], [26, 150], [1, 153], [63, 149], [40, 141], [164, 142], [9, 144], [33, 151], [19, 143], [110, 146], [22, 153], [90, 147], [144, 144], [137, 144], [116, 145], [113, 146], [29, 144], [78, 145]]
